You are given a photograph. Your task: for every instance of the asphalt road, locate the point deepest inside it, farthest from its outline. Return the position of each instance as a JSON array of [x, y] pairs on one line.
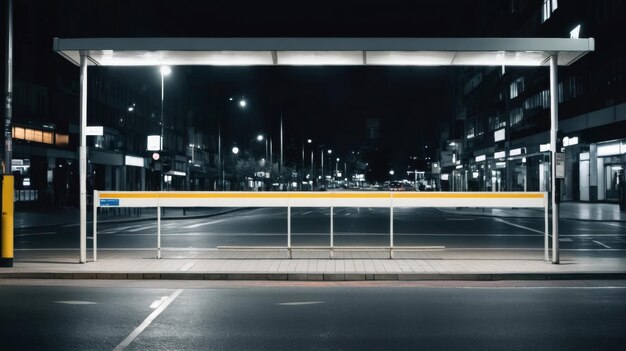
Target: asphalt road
[[313, 316], [352, 226]]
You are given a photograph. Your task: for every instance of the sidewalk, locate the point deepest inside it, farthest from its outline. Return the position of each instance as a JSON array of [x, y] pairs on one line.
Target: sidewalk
[[307, 265]]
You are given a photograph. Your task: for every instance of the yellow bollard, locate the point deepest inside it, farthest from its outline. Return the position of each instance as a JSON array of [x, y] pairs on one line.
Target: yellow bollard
[[6, 242]]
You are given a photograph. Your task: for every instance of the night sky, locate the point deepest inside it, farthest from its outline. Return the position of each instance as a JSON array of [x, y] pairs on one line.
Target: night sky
[[327, 104]]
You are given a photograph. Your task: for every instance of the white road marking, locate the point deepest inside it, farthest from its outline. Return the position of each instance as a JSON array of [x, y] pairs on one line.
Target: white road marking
[[158, 302], [347, 214], [614, 225], [300, 303], [601, 244], [306, 213], [566, 240], [203, 223], [70, 225], [519, 226], [460, 219], [135, 333], [187, 266], [34, 234], [142, 228], [76, 302]]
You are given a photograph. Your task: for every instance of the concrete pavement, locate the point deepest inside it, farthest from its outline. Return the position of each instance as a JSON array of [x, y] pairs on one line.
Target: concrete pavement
[[314, 265]]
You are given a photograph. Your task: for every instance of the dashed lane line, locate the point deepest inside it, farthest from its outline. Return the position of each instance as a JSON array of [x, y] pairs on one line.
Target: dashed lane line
[[519, 226], [203, 224], [135, 333], [601, 244]]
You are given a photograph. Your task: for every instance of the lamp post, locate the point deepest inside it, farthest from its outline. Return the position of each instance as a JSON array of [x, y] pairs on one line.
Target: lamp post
[[309, 141], [242, 104], [165, 71]]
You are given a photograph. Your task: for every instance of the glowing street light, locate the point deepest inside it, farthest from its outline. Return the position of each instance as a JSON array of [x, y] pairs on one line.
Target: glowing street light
[[165, 71], [235, 150], [242, 103]]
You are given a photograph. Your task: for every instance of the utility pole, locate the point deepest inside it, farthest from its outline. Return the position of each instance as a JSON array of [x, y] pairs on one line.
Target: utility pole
[[6, 183]]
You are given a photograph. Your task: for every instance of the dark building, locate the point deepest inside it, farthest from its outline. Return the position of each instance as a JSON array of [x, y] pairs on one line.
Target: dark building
[[497, 140]]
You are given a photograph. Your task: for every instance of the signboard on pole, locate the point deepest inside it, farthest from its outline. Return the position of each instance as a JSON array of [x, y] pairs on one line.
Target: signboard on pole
[[560, 165], [94, 130]]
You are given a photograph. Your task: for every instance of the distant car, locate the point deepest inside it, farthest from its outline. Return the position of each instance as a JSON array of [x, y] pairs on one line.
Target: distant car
[[396, 186]]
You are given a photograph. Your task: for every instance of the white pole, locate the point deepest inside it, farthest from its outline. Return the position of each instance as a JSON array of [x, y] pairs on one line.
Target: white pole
[[95, 225], [82, 159], [281, 144], [162, 127], [158, 232], [391, 231], [554, 127], [546, 243], [289, 231], [332, 243]]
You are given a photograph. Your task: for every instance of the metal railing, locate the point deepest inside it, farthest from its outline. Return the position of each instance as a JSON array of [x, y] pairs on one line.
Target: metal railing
[[127, 199]]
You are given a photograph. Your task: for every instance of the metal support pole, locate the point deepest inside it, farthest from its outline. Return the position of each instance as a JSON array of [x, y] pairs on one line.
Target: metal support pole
[[554, 127], [95, 225], [82, 151], [158, 232], [546, 244], [289, 231], [162, 132], [8, 107], [391, 232], [332, 230]]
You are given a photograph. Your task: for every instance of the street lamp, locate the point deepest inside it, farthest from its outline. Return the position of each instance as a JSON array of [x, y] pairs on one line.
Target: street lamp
[[309, 141], [165, 71], [235, 150], [242, 104]]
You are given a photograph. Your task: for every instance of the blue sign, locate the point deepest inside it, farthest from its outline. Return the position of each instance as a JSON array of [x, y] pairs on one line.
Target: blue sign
[[109, 202]]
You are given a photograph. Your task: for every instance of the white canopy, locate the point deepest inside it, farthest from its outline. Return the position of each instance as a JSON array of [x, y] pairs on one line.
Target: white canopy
[[323, 51]]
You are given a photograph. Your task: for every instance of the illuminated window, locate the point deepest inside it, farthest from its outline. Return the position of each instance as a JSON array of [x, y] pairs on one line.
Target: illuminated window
[[547, 8], [47, 137], [62, 139], [517, 87], [18, 132]]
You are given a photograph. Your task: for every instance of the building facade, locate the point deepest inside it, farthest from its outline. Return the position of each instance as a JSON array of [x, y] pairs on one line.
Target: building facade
[[499, 138]]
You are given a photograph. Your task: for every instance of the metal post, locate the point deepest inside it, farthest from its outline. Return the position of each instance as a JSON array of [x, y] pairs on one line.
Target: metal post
[[391, 231], [289, 231], [162, 126], [322, 163], [554, 127], [8, 107], [281, 144], [95, 225], [83, 159], [332, 229], [158, 232], [219, 157], [546, 244]]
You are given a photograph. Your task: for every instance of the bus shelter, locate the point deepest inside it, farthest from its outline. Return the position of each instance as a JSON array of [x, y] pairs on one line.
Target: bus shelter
[[537, 52]]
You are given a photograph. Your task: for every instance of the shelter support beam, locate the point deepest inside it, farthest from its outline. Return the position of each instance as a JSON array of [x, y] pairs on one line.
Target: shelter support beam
[[554, 127], [83, 159]]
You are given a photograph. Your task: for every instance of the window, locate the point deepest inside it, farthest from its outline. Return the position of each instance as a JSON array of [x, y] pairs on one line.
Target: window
[[548, 7], [62, 139], [516, 116], [516, 88]]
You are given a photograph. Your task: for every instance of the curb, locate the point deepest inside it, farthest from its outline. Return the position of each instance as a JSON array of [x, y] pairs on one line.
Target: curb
[[318, 276]]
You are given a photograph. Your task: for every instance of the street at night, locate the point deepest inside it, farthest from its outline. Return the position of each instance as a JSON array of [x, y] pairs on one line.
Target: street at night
[[332, 175], [352, 227], [577, 315]]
